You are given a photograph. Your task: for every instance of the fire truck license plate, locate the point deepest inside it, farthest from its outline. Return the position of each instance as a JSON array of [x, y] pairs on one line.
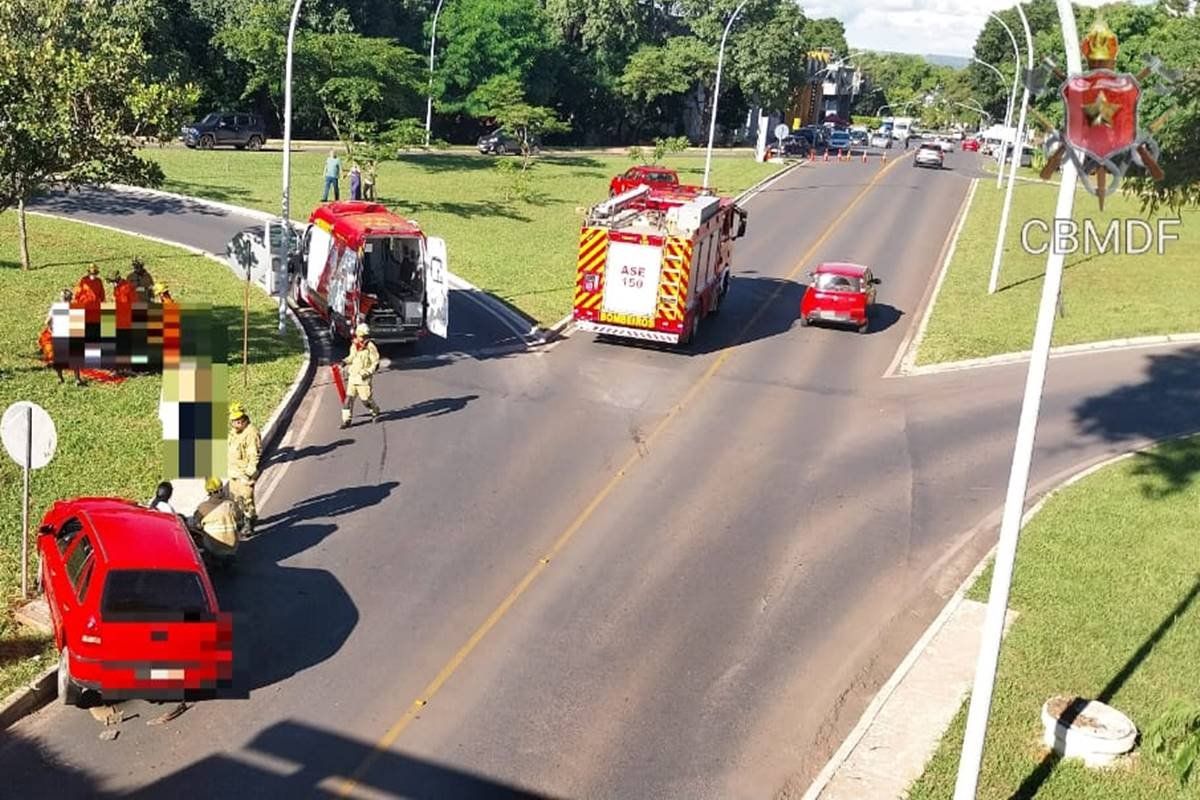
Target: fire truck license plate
[[630, 320]]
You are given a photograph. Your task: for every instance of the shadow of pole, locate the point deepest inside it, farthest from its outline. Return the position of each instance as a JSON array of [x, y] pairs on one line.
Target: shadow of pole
[[1034, 781]]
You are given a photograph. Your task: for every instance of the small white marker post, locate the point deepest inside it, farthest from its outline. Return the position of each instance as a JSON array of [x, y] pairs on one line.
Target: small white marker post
[[971, 760], [29, 436]]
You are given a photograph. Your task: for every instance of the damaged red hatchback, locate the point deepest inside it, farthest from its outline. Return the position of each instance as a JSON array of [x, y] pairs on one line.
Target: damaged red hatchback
[[133, 610]]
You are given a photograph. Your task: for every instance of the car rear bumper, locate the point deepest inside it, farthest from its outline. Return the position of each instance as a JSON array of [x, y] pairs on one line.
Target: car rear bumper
[[154, 679]]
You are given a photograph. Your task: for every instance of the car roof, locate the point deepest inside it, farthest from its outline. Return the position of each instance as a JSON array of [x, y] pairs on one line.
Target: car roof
[[841, 268], [654, 168], [355, 220], [132, 536]]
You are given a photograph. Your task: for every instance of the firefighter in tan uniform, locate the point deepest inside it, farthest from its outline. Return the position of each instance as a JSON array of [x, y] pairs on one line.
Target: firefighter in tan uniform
[[216, 521], [361, 365], [245, 445]]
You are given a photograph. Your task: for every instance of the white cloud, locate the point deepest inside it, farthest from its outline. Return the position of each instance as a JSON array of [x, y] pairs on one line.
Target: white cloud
[[944, 27]]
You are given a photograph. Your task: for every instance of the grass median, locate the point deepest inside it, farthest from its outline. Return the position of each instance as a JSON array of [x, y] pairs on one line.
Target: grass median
[[1105, 584], [108, 434], [1106, 296], [523, 252]]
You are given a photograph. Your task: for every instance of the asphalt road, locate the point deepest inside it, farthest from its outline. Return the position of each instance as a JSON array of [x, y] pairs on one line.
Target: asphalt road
[[597, 570]]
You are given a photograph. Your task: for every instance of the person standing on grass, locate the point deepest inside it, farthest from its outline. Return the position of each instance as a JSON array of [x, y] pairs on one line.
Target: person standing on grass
[[368, 184], [355, 182], [333, 173]]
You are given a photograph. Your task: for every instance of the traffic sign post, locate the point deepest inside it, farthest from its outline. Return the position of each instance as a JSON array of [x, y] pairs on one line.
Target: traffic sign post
[[781, 132], [30, 439]]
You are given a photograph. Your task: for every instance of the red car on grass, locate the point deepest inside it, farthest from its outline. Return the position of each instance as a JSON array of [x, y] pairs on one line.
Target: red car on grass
[[659, 178], [840, 293], [133, 610]]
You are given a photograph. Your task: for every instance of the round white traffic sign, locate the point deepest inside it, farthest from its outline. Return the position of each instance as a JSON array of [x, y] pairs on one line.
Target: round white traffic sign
[[781, 131], [14, 432]]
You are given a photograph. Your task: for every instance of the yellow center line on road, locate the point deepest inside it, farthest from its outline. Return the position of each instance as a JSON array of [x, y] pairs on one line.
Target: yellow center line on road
[[348, 785]]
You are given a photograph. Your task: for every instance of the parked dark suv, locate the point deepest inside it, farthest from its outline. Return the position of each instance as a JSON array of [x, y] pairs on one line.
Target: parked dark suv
[[243, 131], [501, 141]]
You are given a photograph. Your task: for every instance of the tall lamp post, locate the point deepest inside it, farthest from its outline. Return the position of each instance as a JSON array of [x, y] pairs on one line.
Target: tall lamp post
[[1018, 148], [286, 233], [1012, 95], [967, 782], [429, 97], [712, 124]]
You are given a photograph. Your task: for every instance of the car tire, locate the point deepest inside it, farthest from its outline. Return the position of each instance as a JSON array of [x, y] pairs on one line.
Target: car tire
[[206, 142], [501, 149], [866, 326], [69, 693], [254, 143]]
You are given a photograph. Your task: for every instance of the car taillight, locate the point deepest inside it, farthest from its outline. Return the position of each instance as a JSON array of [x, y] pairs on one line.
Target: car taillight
[[91, 632]]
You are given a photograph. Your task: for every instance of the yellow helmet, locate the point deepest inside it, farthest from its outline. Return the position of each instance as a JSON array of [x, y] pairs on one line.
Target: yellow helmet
[[212, 485], [93, 269], [236, 411], [159, 288]]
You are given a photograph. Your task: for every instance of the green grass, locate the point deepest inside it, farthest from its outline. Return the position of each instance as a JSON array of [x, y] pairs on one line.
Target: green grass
[[1105, 297], [523, 252], [108, 434], [1104, 564]]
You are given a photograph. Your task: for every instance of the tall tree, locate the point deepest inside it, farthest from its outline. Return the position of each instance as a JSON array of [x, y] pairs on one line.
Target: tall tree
[[75, 90]]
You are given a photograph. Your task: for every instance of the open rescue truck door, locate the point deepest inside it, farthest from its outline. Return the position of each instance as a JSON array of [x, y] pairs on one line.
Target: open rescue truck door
[[437, 287], [343, 286]]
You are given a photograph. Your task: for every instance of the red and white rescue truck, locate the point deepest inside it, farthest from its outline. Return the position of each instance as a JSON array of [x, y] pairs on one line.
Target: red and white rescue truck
[[359, 262], [653, 263]]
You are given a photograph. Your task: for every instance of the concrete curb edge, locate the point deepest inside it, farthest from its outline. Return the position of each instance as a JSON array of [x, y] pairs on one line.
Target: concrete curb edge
[[25, 700], [852, 740]]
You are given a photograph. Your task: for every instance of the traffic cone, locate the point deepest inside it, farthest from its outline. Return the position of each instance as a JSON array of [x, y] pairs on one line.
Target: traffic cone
[[883, 157], [841, 155], [827, 156], [864, 156]]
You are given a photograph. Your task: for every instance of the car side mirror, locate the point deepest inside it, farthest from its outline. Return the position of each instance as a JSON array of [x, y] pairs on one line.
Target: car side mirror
[[45, 530], [876, 281]]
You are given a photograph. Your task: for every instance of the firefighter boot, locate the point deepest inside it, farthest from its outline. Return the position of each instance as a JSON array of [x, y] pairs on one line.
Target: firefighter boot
[[374, 410], [346, 412]]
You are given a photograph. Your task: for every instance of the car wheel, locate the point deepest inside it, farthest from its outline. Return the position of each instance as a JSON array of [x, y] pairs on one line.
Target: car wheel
[[864, 327], [501, 149], [68, 690], [206, 142], [255, 143]]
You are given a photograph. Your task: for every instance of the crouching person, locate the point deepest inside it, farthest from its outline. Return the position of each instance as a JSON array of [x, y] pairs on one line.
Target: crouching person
[[216, 522]]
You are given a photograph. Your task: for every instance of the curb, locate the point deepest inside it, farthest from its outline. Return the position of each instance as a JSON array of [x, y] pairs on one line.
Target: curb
[[859, 731], [22, 702], [1133, 343], [906, 354]]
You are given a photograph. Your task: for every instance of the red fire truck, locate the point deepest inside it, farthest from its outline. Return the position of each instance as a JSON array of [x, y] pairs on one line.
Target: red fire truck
[[358, 262], [653, 263]]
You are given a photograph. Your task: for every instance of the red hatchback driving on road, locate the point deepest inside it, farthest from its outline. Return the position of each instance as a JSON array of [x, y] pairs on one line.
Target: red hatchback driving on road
[[133, 610], [971, 145], [840, 293], [644, 175]]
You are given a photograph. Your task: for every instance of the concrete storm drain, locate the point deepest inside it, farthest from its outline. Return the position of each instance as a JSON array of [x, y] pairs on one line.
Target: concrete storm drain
[[1086, 729]]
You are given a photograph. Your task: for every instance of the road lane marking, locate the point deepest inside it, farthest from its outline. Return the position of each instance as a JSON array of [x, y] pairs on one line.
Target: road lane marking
[[348, 784]]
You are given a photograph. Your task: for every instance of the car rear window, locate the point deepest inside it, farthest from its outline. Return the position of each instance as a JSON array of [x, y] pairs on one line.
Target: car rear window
[[154, 596], [832, 282]]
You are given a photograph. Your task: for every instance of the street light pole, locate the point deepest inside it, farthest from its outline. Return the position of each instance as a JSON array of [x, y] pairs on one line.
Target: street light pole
[[1018, 146], [429, 97], [712, 124], [1012, 95], [967, 782], [286, 233]]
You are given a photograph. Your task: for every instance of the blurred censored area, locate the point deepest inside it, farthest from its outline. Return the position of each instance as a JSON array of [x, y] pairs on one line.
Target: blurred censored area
[[179, 340]]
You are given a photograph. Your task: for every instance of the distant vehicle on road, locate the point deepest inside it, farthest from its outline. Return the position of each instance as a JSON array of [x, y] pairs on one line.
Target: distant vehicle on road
[[499, 142], [796, 145], [840, 293], [881, 140], [902, 128], [929, 154], [651, 175], [814, 135], [946, 143], [839, 140], [859, 138], [133, 610], [240, 130], [970, 144]]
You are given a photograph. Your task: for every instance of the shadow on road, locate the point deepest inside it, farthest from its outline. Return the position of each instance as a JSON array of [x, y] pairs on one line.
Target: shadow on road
[[438, 407], [1166, 402], [333, 504], [289, 453], [94, 200], [287, 760], [885, 317]]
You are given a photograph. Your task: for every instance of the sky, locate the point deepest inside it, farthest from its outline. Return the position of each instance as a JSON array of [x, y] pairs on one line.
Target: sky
[[942, 27]]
